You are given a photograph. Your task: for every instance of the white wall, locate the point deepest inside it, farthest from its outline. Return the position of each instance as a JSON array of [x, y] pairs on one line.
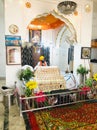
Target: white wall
[[94, 25], [2, 41], [17, 13]]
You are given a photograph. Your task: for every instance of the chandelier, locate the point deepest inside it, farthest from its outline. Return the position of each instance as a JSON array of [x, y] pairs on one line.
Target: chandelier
[[67, 7]]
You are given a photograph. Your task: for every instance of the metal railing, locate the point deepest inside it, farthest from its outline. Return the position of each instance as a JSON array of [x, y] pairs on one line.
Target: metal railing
[[54, 99]]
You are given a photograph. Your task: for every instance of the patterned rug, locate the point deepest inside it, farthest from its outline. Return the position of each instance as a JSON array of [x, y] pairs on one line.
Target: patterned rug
[[82, 116]]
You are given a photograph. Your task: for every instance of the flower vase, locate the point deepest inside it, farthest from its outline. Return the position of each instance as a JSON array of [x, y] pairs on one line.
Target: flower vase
[[82, 78]]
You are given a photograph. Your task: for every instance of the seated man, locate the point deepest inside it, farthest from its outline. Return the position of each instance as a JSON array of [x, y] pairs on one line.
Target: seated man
[[41, 62]]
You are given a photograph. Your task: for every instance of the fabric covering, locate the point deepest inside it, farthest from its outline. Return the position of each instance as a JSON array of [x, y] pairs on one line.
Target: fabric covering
[[82, 116], [70, 80], [45, 22]]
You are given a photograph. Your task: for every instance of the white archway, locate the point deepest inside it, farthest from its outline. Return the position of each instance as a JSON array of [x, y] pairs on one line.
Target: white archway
[[68, 31]]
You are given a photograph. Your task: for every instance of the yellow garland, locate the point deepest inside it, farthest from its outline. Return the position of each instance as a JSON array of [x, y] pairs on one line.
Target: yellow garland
[[31, 84], [95, 76]]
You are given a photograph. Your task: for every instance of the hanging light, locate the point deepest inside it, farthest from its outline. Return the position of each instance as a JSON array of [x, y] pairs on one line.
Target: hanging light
[[67, 7]]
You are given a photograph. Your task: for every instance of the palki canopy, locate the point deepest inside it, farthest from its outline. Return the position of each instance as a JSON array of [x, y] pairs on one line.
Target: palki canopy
[[53, 20], [45, 22]]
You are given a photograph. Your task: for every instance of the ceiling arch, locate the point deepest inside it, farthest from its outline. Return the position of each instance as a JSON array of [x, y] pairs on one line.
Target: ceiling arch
[[72, 37], [53, 20]]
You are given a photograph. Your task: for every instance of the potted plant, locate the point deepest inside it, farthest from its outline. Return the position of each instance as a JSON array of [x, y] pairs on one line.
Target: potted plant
[[82, 71]]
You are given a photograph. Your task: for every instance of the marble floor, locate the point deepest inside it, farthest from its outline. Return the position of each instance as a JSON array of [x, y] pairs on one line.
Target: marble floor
[[14, 121]]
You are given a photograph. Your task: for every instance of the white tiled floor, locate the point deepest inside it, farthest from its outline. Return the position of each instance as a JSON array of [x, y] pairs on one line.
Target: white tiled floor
[[16, 121]]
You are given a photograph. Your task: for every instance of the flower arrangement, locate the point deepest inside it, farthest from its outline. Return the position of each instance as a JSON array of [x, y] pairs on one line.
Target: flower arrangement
[[89, 82], [90, 87], [94, 83], [95, 76], [42, 97], [85, 89], [30, 86], [25, 74], [82, 70]]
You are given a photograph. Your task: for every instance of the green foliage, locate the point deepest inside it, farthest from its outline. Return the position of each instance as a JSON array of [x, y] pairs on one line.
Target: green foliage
[[89, 82], [25, 74], [82, 70], [28, 92], [81, 85]]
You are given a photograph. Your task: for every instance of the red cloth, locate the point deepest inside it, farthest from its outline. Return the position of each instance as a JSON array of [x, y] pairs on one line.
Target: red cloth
[[33, 121], [40, 99]]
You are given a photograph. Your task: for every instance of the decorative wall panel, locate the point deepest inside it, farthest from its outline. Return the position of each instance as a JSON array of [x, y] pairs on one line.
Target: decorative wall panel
[[30, 55]]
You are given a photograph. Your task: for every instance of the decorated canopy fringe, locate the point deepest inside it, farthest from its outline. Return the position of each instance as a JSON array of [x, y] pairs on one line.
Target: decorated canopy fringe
[[45, 22]]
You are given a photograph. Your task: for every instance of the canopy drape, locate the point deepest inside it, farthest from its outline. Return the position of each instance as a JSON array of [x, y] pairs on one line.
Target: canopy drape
[[45, 22]]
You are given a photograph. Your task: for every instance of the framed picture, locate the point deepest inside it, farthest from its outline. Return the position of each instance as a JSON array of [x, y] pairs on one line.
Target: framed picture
[[13, 55], [11, 40], [35, 36], [85, 52]]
